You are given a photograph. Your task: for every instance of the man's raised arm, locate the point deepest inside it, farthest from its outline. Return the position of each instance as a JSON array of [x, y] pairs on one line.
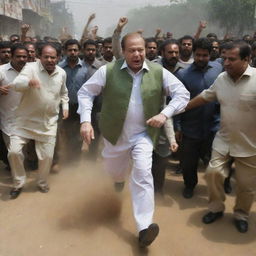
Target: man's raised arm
[[116, 45]]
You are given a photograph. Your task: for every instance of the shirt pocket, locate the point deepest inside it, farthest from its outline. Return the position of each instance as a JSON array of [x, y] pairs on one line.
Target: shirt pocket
[[247, 102]]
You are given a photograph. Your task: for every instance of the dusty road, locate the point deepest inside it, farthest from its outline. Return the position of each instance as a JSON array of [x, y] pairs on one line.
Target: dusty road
[[82, 216]]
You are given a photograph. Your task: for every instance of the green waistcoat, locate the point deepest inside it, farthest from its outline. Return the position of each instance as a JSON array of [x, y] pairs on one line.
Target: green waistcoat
[[116, 97]]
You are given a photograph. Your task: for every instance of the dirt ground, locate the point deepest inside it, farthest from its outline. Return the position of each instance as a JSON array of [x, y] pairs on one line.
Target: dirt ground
[[82, 216]]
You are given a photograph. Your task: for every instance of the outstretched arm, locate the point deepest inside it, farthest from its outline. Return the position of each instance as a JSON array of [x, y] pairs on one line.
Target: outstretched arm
[[196, 102], [201, 27], [86, 30], [116, 45], [24, 30]]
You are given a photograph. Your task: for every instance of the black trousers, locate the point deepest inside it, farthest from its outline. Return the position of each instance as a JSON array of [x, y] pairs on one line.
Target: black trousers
[[3, 150], [158, 171], [191, 151]]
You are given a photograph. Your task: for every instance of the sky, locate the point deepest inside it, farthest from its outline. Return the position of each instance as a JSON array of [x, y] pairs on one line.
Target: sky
[[107, 12]]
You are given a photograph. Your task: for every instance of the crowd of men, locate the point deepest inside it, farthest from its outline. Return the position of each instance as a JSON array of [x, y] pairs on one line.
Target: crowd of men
[[126, 92]]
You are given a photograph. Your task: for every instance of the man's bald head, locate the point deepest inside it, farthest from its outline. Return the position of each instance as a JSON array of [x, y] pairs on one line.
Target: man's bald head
[[131, 36], [133, 46]]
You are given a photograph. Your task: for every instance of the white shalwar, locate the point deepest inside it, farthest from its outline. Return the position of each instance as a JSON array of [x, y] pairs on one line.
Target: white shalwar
[[133, 143], [36, 118]]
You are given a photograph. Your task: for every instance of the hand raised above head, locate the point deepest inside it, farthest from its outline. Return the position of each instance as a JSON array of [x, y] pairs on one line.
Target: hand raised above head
[[122, 22], [92, 16]]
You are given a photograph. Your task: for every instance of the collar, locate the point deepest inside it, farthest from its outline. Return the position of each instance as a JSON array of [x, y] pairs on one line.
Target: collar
[[41, 67], [177, 67], [194, 67], [248, 72], [65, 63], [10, 67], [144, 66], [96, 64]]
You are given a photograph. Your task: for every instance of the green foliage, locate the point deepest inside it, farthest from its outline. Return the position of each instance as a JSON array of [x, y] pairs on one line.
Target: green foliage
[[222, 16], [180, 19], [233, 15]]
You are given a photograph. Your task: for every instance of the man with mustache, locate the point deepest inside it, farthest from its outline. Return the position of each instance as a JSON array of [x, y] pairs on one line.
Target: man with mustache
[[167, 142], [186, 46], [76, 71], [170, 56], [5, 52], [199, 125], [236, 92], [151, 49], [42, 85], [9, 98]]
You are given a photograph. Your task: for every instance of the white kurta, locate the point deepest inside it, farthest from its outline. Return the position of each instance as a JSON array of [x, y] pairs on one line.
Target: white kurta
[[133, 143], [36, 118], [37, 113], [8, 103]]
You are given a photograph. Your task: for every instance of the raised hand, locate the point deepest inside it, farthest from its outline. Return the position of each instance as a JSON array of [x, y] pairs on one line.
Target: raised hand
[[121, 23]]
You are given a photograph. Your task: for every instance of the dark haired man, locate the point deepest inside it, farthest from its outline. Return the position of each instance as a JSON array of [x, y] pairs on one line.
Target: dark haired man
[[170, 56], [235, 90], [43, 88], [215, 52], [91, 62], [170, 61], [9, 98], [5, 52], [186, 50], [199, 125], [76, 71], [14, 38], [31, 51], [151, 49], [129, 122], [107, 52]]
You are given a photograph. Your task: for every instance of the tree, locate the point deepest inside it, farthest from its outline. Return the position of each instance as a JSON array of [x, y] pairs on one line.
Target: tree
[[233, 15]]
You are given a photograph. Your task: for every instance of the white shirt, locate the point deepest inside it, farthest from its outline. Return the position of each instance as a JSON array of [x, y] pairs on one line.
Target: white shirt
[[8, 103], [37, 113], [238, 107], [134, 124]]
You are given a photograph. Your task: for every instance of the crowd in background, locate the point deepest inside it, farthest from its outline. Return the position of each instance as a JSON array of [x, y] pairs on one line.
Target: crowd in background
[[196, 61]]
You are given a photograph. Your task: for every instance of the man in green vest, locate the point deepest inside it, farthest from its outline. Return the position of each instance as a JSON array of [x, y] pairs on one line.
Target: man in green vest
[[131, 116]]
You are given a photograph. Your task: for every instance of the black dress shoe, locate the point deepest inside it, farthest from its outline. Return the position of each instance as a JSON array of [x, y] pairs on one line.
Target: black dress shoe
[[148, 235], [210, 217], [178, 171], [188, 193], [241, 225], [15, 192]]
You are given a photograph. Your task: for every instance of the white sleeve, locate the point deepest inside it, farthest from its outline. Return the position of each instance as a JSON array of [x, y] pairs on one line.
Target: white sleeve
[[21, 82], [88, 91], [180, 96], [64, 93]]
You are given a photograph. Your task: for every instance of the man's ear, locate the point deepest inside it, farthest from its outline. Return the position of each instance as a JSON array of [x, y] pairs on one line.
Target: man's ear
[[248, 58]]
